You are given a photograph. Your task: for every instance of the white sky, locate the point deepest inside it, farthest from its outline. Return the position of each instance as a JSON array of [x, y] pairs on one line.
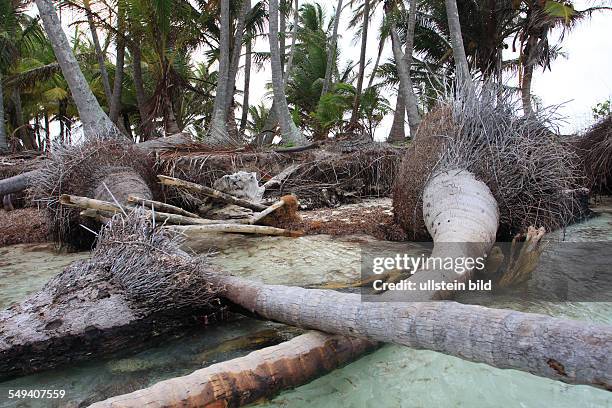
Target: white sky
[[579, 81]]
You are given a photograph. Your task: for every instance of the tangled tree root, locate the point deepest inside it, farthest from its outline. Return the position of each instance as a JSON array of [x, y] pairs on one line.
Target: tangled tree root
[[528, 169], [102, 169], [595, 151], [322, 177]]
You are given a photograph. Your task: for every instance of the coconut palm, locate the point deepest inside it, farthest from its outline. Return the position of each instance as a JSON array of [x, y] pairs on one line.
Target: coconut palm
[[95, 121], [331, 53], [532, 32], [362, 62], [289, 131], [217, 132], [454, 26], [18, 35], [403, 61]]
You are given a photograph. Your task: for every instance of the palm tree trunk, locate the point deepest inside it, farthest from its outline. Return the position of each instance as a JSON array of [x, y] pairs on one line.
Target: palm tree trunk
[[99, 53], [397, 132], [22, 128], [403, 62], [4, 148], [236, 51], [290, 132], [526, 89], [289, 66], [381, 46], [47, 133], [362, 58], [282, 34], [217, 132], [454, 26], [247, 83], [331, 53], [95, 121], [146, 128], [115, 106]]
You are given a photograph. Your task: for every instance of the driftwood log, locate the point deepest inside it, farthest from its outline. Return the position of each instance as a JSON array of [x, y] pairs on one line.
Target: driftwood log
[[247, 379], [159, 206]]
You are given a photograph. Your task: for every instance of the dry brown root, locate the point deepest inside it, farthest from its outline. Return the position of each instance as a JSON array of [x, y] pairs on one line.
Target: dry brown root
[[522, 264], [285, 216]]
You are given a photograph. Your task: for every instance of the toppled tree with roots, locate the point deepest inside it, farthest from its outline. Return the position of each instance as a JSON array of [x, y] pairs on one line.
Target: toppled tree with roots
[[101, 168], [476, 147], [595, 151]]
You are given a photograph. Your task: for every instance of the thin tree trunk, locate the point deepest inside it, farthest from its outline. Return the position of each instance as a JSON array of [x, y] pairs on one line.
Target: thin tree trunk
[[454, 26], [331, 53], [236, 51], [95, 121], [99, 54], [289, 66], [115, 106], [362, 58], [526, 89], [397, 132], [146, 128], [403, 63], [171, 126], [47, 133], [247, 83], [4, 148], [282, 33], [23, 131], [217, 132], [290, 132], [381, 46]]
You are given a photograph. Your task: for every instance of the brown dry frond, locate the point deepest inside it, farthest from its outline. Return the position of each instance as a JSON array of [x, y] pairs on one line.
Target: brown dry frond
[[148, 264]]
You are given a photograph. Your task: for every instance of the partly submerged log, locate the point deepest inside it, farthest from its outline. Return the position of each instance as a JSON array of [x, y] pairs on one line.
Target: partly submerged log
[[247, 379], [571, 351], [91, 309], [81, 314]]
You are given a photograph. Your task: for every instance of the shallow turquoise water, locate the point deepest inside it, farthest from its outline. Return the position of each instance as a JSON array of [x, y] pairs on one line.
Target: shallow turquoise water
[[393, 376]]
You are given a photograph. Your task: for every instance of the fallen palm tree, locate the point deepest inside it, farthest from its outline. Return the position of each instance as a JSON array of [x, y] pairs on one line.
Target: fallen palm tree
[[570, 351], [517, 160], [102, 169], [91, 310], [248, 379]]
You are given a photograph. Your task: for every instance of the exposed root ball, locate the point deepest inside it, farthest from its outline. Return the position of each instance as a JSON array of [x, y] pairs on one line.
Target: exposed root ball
[[85, 170], [595, 151], [415, 169], [148, 265], [527, 168]]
